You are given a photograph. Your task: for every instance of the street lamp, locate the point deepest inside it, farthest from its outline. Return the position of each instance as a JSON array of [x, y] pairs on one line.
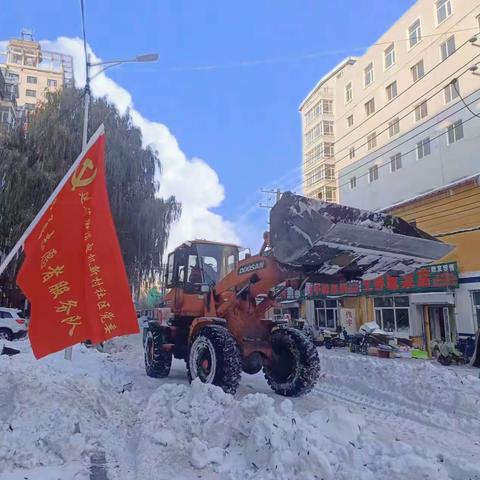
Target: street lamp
[[147, 57]]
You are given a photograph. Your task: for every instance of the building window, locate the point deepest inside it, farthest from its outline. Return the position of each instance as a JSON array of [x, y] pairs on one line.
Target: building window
[[322, 150], [30, 61], [326, 194], [421, 111], [391, 91], [423, 148], [369, 74], [30, 106], [396, 162], [450, 92], [348, 92], [31, 79], [350, 120], [353, 184], [447, 48], [329, 171], [323, 107], [31, 93], [17, 58], [351, 153], [373, 174], [370, 107], [326, 313], [476, 307], [51, 82], [14, 77], [372, 140], [328, 149], [444, 10], [392, 314], [4, 115], [389, 56], [455, 132], [418, 71], [394, 127], [414, 33], [327, 127]]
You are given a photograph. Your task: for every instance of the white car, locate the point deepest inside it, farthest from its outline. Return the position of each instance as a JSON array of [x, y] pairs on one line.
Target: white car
[[12, 324]]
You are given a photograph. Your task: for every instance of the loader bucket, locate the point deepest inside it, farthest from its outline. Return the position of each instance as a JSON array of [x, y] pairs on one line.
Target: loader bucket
[[345, 242]]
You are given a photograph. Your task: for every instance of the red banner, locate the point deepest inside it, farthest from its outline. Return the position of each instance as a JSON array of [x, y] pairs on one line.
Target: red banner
[[73, 273]]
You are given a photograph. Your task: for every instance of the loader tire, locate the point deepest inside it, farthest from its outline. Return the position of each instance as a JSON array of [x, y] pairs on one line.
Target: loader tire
[[295, 366], [214, 357], [157, 360]]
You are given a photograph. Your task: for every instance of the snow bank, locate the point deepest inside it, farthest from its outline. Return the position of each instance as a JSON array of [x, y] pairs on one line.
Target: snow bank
[[422, 390], [367, 419], [247, 438], [55, 414]]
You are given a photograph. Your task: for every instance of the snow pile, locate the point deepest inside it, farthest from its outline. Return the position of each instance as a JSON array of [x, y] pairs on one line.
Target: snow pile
[[367, 419], [422, 390], [247, 438], [55, 414]]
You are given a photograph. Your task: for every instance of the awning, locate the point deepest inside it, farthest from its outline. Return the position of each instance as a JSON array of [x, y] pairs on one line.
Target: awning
[[432, 298]]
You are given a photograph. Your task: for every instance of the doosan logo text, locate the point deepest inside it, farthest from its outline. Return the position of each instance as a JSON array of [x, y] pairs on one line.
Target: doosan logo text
[[251, 267]]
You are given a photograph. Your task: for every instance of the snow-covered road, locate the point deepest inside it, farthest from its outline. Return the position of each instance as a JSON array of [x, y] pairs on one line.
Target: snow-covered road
[[368, 418]]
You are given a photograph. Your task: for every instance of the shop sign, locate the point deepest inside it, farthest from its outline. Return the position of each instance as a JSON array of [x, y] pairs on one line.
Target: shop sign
[[431, 278], [319, 290]]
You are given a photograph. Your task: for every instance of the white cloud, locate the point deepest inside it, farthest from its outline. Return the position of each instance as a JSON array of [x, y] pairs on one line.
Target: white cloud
[[192, 181]]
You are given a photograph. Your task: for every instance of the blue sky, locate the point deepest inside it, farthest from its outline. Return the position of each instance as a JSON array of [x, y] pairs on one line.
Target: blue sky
[[241, 115]]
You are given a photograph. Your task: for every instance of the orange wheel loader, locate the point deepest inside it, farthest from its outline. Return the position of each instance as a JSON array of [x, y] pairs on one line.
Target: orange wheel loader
[[213, 314]]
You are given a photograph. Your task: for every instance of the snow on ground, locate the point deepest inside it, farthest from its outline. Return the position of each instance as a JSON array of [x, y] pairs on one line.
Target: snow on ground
[[368, 418]]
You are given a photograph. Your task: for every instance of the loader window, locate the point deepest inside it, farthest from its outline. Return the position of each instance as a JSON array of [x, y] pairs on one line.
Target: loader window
[[194, 271], [210, 269], [170, 271]]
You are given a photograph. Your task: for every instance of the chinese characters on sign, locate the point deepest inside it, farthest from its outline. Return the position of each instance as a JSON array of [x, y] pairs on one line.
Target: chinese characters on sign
[[430, 278], [73, 273], [433, 277]]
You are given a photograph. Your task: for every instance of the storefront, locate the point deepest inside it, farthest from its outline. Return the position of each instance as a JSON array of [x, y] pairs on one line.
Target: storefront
[[419, 306]]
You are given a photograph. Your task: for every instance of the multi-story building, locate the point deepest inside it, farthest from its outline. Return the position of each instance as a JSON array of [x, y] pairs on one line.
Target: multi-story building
[[8, 102], [407, 136], [318, 138], [34, 70]]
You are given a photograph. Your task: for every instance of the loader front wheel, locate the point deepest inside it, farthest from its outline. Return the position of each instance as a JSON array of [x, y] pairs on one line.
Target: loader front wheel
[[214, 357], [157, 360], [295, 366]]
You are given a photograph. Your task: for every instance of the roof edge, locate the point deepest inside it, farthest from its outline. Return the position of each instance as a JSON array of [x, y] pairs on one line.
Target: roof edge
[[346, 61]]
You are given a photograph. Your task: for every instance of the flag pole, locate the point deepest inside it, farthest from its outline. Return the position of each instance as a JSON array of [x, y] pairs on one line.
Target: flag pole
[[86, 106]]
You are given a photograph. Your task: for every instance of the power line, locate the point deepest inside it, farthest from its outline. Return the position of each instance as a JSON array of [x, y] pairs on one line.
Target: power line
[[412, 150], [418, 54], [460, 214], [450, 211], [415, 102], [414, 214], [306, 56], [428, 128], [454, 82], [456, 232]]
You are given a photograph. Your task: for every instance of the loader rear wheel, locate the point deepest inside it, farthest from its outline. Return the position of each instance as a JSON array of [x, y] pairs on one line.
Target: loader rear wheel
[[295, 366], [214, 357], [157, 360]]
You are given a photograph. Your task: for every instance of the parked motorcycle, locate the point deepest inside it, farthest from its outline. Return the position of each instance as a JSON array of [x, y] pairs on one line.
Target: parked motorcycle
[[459, 353], [369, 335]]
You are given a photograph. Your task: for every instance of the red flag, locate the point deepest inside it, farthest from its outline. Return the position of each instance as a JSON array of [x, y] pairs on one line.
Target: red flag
[[73, 273]]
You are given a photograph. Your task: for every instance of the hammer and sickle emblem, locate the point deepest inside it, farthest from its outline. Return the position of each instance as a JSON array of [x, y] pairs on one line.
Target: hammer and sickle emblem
[[78, 179]]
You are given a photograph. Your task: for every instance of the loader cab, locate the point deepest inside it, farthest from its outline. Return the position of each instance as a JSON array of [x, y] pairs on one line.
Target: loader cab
[[198, 266]]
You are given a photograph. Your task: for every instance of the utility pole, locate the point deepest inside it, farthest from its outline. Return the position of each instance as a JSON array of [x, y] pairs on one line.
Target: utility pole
[[277, 193]]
